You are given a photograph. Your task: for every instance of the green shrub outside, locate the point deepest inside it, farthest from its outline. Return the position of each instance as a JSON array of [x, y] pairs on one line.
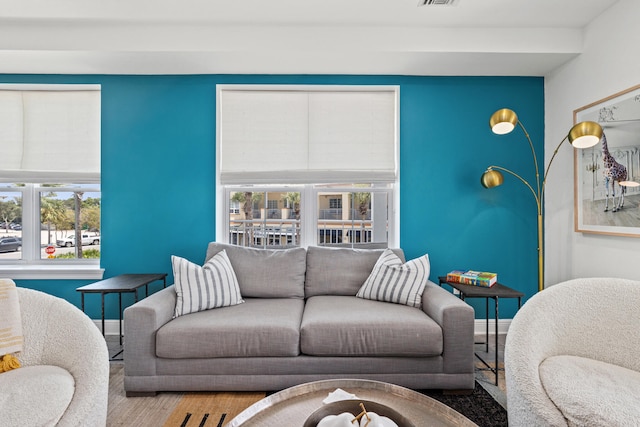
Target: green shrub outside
[[87, 253]]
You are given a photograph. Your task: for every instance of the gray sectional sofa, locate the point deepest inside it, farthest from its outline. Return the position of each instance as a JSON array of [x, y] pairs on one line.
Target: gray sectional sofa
[[300, 322]]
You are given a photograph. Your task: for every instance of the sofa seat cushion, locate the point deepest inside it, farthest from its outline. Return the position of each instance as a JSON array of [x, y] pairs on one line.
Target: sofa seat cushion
[[589, 392], [259, 327], [350, 326], [35, 395]]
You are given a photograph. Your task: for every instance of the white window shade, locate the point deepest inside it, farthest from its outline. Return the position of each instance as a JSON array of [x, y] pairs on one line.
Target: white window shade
[[50, 135], [271, 136], [262, 133]]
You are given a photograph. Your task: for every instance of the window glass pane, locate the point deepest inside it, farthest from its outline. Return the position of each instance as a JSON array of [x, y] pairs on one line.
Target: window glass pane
[[10, 225], [264, 219], [360, 221], [335, 203], [69, 214]]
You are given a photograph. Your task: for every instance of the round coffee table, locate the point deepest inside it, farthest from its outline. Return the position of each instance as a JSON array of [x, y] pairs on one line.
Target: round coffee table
[[292, 406]]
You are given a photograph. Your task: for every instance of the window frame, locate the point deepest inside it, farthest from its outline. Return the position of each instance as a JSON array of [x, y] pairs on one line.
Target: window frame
[[309, 191], [31, 266], [309, 214]]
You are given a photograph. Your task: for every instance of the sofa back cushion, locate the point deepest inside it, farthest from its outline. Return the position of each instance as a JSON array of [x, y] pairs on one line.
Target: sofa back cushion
[[339, 271], [265, 273]]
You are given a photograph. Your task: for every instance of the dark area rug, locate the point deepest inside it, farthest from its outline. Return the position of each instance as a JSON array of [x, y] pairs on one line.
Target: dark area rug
[[478, 406]]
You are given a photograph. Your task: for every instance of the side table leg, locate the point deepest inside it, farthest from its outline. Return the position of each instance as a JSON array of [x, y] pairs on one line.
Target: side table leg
[[120, 313], [497, 317], [486, 326], [102, 297]]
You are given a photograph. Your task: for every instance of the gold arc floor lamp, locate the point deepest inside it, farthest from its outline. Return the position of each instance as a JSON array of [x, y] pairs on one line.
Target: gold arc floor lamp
[[582, 135]]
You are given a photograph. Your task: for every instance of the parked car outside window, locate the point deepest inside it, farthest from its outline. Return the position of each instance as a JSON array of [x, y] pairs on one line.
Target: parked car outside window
[[71, 240], [10, 244]]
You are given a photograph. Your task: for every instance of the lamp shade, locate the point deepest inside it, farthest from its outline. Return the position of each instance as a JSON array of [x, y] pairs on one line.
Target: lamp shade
[[585, 134], [491, 178], [503, 121]]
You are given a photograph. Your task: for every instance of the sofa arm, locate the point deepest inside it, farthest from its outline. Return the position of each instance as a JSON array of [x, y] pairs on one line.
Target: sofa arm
[[456, 318], [141, 322]]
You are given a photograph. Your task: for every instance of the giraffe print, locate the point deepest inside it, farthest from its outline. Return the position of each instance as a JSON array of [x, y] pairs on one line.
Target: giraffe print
[[613, 172]]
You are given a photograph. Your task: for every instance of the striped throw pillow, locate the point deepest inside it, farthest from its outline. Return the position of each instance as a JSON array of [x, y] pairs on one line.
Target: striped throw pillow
[[202, 288], [392, 281]]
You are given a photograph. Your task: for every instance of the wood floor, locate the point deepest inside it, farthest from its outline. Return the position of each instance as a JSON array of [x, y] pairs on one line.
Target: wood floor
[[486, 378], [137, 411]]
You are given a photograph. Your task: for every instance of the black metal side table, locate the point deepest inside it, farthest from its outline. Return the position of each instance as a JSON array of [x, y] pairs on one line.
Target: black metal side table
[[495, 292], [121, 284]]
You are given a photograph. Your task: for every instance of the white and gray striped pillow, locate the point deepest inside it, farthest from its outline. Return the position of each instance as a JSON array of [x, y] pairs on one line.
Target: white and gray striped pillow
[[392, 281], [202, 288]]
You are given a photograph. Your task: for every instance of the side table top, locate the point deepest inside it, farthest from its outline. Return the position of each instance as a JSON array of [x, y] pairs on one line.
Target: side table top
[[497, 290], [122, 283]]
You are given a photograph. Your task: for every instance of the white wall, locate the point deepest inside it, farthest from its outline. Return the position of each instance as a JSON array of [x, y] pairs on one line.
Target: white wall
[[610, 63]]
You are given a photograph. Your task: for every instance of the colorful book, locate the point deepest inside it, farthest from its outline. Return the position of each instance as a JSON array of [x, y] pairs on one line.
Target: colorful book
[[471, 277]]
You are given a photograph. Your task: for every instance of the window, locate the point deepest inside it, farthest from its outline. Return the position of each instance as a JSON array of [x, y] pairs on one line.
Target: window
[[335, 203], [50, 180], [260, 223], [234, 207], [306, 219], [365, 223], [284, 156], [52, 235]]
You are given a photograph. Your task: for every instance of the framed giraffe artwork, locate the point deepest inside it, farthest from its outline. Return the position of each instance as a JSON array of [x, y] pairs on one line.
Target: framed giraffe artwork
[[607, 176]]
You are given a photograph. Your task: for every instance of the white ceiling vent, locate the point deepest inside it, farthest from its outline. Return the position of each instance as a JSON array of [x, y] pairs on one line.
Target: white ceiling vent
[[437, 2]]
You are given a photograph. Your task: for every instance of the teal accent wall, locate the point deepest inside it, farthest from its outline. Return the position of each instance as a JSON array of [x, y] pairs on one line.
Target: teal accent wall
[[158, 173]]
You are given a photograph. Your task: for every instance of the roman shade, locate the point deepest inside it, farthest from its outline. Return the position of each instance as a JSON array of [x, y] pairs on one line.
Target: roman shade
[[307, 136], [50, 135]]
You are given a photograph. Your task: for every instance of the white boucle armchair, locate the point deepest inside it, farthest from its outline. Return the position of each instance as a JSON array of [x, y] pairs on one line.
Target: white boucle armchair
[[572, 356], [64, 378]]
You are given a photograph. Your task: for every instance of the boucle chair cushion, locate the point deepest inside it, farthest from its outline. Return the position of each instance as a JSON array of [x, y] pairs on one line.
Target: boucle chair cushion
[[592, 393], [35, 395]]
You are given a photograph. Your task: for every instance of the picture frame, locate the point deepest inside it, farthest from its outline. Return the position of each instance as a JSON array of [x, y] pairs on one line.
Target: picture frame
[[595, 206]]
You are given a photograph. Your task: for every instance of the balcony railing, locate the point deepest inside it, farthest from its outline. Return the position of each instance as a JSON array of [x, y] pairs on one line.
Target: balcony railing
[[265, 233], [286, 233], [337, 214]]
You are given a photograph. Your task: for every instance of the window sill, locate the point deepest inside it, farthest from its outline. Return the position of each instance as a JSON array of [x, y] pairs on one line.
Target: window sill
[[52, 272]]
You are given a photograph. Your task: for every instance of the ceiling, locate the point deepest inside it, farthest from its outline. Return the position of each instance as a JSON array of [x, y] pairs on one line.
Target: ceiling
[[472, 37]]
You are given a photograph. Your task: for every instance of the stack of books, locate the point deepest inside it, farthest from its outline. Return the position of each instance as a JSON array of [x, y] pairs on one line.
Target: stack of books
[[471, 277]]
